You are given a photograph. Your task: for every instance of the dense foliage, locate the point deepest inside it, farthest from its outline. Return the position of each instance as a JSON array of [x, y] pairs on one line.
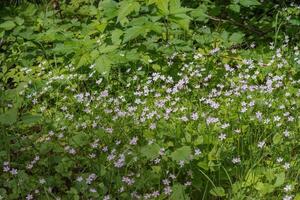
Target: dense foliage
[[150, 99]]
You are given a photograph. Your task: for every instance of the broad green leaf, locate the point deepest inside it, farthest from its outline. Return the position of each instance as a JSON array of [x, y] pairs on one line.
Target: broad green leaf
[[8, 25], [83, 60], [30, 119], [279, 179], [79, 139], [218, 192], [264, 188], [163, 6], [19, 21], [103, 64], [127, 7], [248, 3], [295, 22], [183, 23], [9, 117], [236, 37], [107, 49], [234, 7], [109, 8], [134, 32], [199, 13], [30, 10], [150, 151], [178, 193], [182, 153], [115, 36]]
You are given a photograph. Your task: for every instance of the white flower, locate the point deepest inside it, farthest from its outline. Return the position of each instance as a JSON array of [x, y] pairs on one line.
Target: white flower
[[287, 197], [222, 136], [42, 181], [236, 160], [197, 152], [286, 166], [288, 188], [279, 160], [261, 144]]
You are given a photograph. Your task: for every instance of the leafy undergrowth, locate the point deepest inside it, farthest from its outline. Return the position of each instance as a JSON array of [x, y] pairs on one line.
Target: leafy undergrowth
[[91, 111], [219, 127]]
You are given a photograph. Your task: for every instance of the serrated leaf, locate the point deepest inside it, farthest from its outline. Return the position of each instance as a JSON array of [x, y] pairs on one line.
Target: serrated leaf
[[103, 64], [218, 192], [127, 7], [9, 117], [150, 151], [199, 13], [109, 8], [134, 32], [248, 3], [8, 25], [182, 153], [178, 192], [83, 60], [115, 36], [163, 6], [79, 139]]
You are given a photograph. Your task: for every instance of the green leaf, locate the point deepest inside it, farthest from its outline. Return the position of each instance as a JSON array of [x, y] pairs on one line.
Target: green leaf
[[277, 138], [248, 3], [236, 37], [183, 23], [182, 153], [200, 13], [295, 22], [234, 7], [109, 8], [264, 188], [134, 32], [150, 151], [84, 60], [279, 179], [127, 7], [103, 64], [19, 21], [30, 119], [178, 192], [163, 6], [8, 25], [115, 36], [9, 117], [297, 197], [79, 139], [218, 192], [30, 10]]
